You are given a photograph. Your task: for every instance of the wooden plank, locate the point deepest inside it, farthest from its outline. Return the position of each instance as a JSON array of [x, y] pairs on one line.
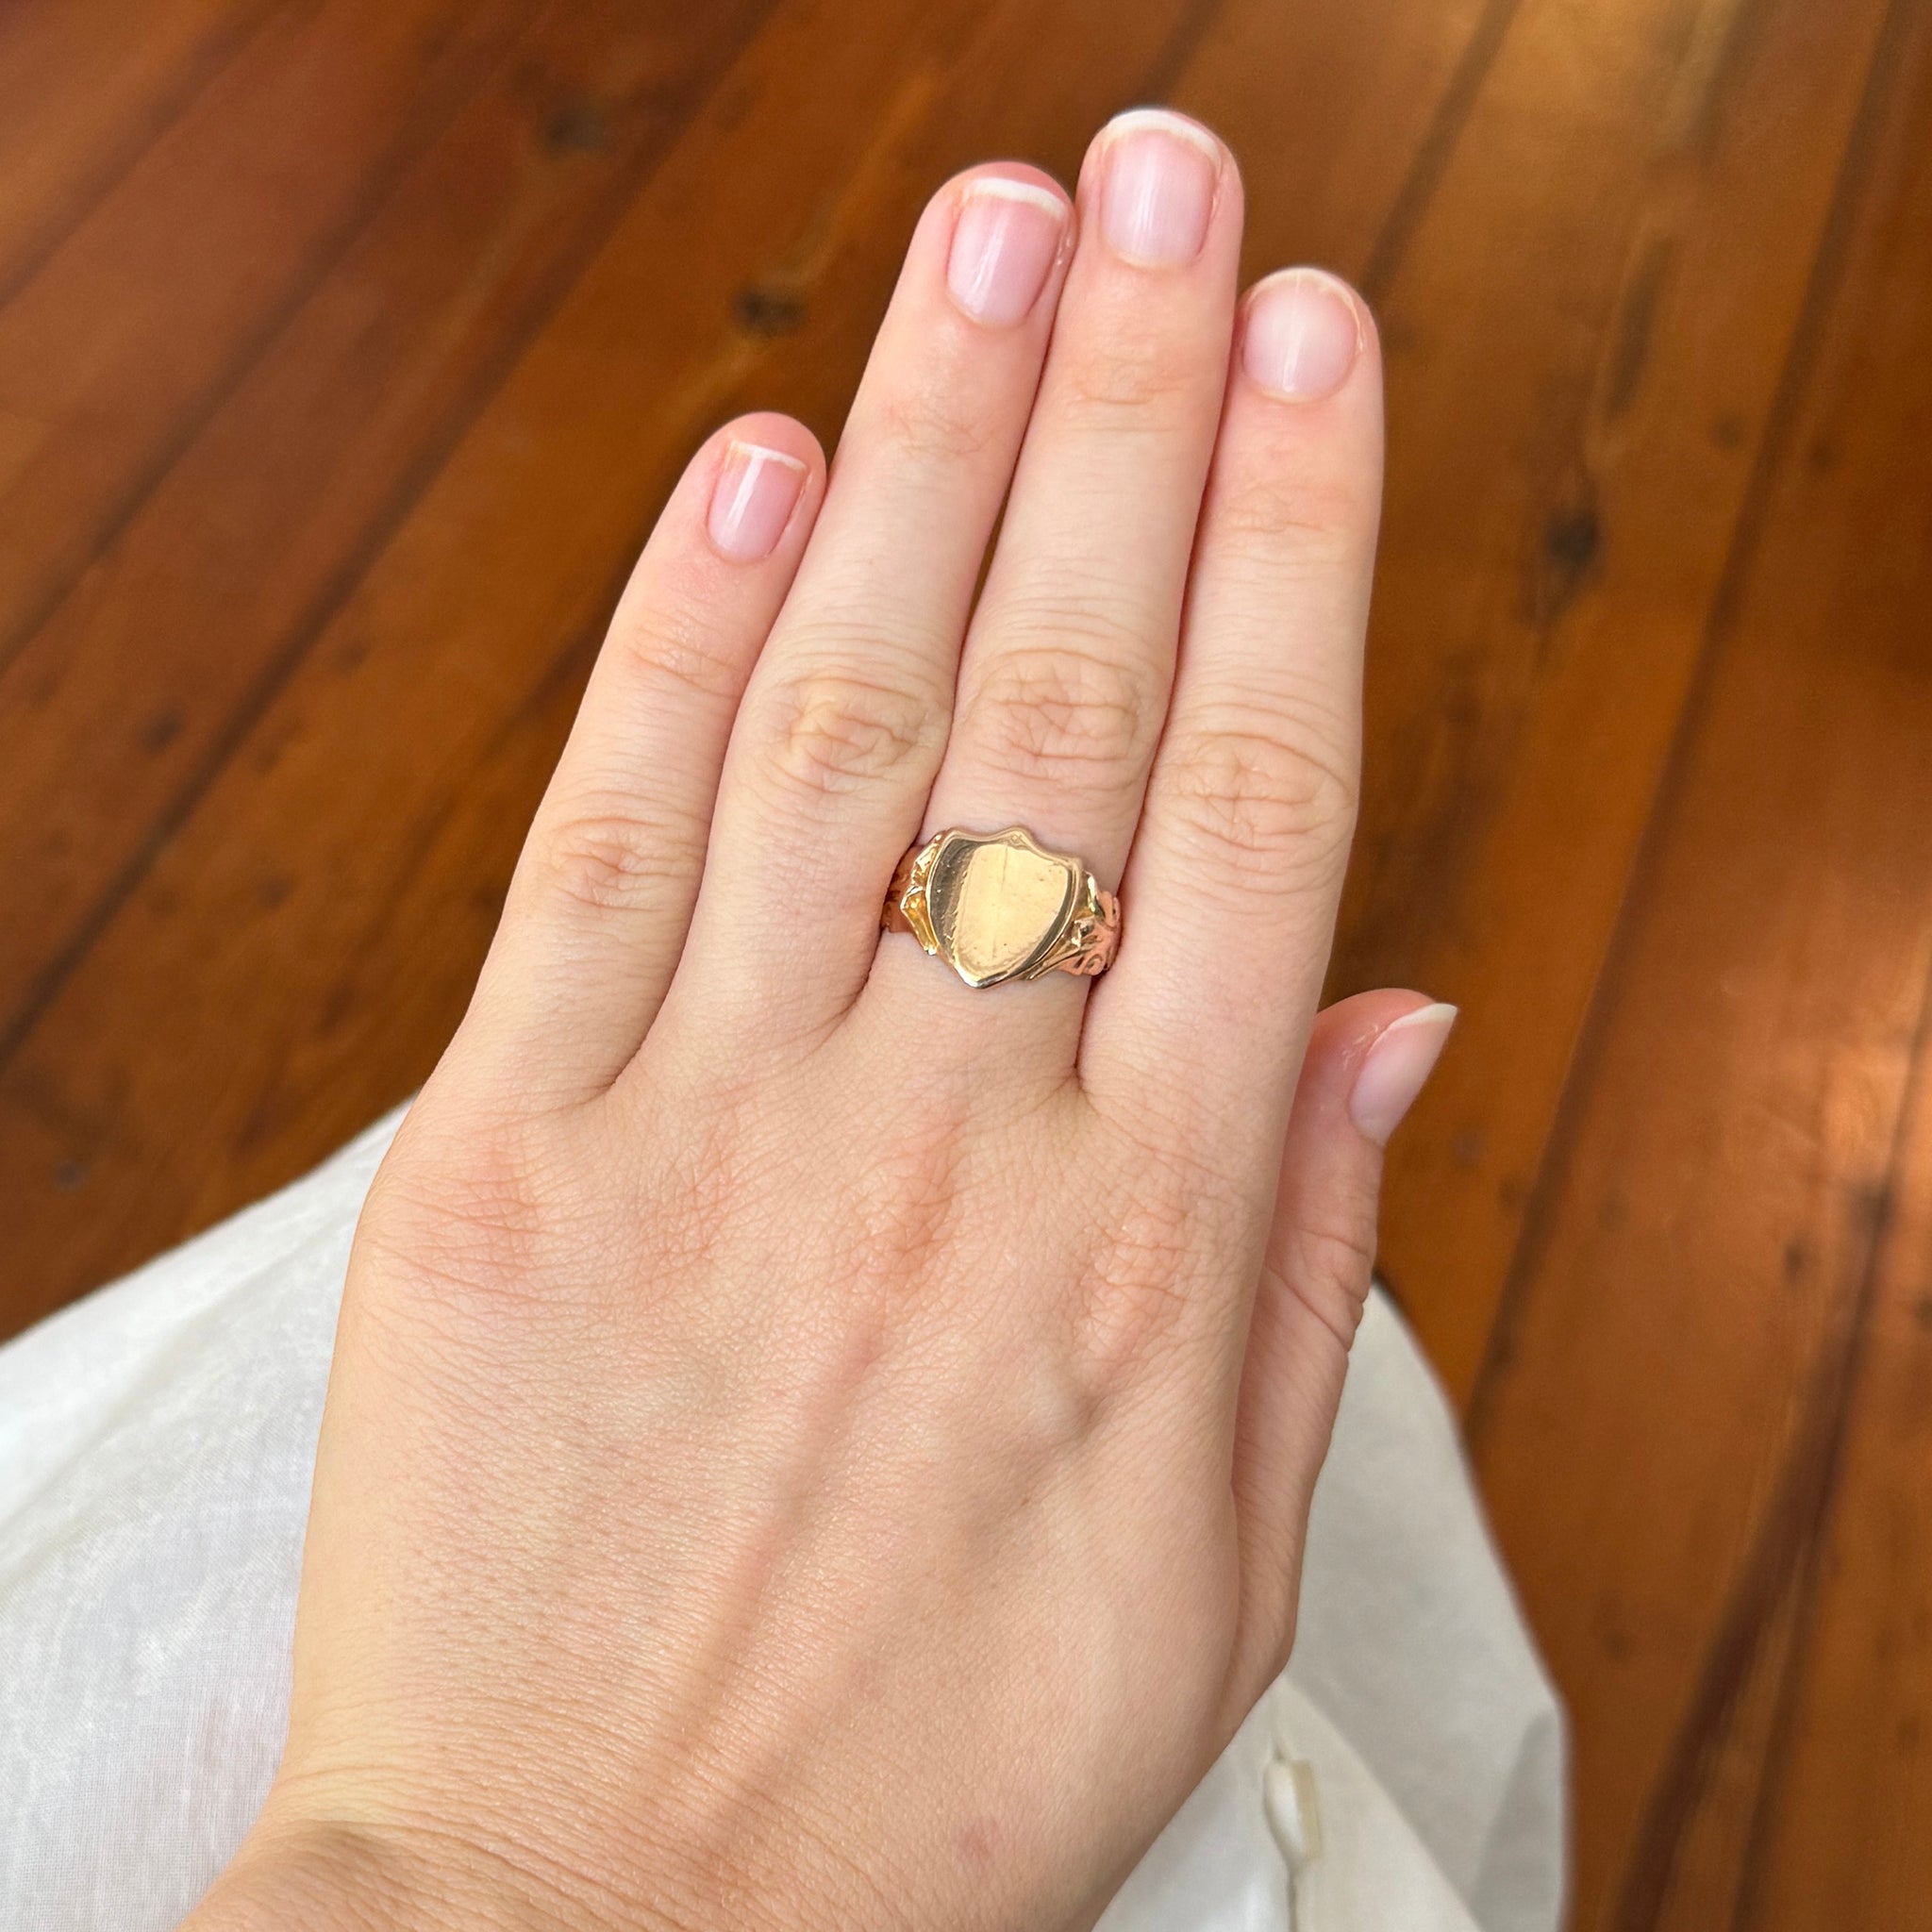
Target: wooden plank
[[113, 350], [1840, 1831], [1835, 1835], [1661, 1437], [85, 87], [1585, 337], [179, 632]]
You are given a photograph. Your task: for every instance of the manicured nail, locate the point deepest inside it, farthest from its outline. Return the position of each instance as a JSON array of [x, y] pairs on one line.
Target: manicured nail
[[1004, 244], [752, 501], [1396, 1069], [1157, 189], [1302, 334]]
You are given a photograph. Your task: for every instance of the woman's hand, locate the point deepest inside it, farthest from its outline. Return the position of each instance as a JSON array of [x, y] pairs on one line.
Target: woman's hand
[[812, 1444]]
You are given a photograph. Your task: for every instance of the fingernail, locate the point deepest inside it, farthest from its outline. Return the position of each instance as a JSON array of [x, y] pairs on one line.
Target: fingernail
[[1396, 1069], [1302, 334], [752, 501], [1004, 244], [1157, 189]]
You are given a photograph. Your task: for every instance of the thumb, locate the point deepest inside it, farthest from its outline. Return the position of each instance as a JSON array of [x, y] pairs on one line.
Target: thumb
[[1367, 1060]]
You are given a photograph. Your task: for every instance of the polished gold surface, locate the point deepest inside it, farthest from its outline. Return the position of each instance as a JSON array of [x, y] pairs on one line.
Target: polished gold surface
[[998, 905]]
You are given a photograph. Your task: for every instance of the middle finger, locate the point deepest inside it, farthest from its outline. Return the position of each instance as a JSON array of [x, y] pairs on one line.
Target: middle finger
[[1065, 676]]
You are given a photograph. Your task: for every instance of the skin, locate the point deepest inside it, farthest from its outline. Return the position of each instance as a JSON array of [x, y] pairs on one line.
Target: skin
[[811, 1444]]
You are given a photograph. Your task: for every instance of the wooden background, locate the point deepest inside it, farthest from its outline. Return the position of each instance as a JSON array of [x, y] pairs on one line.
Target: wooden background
[[348, 347]]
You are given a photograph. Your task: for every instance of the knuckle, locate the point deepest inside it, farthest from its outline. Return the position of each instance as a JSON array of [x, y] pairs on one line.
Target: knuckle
[[1146, 1265], [1318, 520], [1142, 1299], [1121, 371], [680, 649], [462, 1226], [932, 423], [906, 1200], [1272, 807], [616, 858], [1046, 707], [837, 730], [1329, 1269]]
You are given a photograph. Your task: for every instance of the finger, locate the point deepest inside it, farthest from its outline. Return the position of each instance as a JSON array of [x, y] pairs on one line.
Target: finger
[[1367, 1060], [1067, 669], [1229, 905], [841, 730], [602, 896]]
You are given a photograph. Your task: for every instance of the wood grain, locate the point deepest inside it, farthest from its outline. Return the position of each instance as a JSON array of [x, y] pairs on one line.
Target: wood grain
[[1703, 1305], [86, 87], [140, 682], [128, 331], [1838, 1828], [1578, 413], [347, 350]]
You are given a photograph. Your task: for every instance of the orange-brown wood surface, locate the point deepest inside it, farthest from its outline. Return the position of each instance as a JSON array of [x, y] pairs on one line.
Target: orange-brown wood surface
[[348, 347]]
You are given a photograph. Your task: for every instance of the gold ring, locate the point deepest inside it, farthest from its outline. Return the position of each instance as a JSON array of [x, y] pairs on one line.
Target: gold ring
[[999, 906]]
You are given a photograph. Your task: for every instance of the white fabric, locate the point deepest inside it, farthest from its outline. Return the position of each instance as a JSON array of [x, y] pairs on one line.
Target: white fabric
[[155, 1445]]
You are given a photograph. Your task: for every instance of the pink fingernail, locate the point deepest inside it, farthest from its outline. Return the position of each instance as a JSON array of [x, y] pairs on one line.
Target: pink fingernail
[[1156, 191], [1396, 1069], [752, 501], [1004, 244], [1302, 334]]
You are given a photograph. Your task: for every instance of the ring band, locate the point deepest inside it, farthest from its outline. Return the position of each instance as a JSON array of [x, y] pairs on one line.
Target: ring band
[[999, 906]]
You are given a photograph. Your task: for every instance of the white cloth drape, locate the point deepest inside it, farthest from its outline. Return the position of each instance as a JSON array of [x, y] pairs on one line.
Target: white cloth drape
[[156, 1446]]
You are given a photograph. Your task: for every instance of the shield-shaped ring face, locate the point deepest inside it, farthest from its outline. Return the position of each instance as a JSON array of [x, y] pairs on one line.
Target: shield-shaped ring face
[[997, 904]]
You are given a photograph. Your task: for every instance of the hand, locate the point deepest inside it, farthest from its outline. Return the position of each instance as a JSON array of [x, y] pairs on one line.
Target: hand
[[812, 1444]]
